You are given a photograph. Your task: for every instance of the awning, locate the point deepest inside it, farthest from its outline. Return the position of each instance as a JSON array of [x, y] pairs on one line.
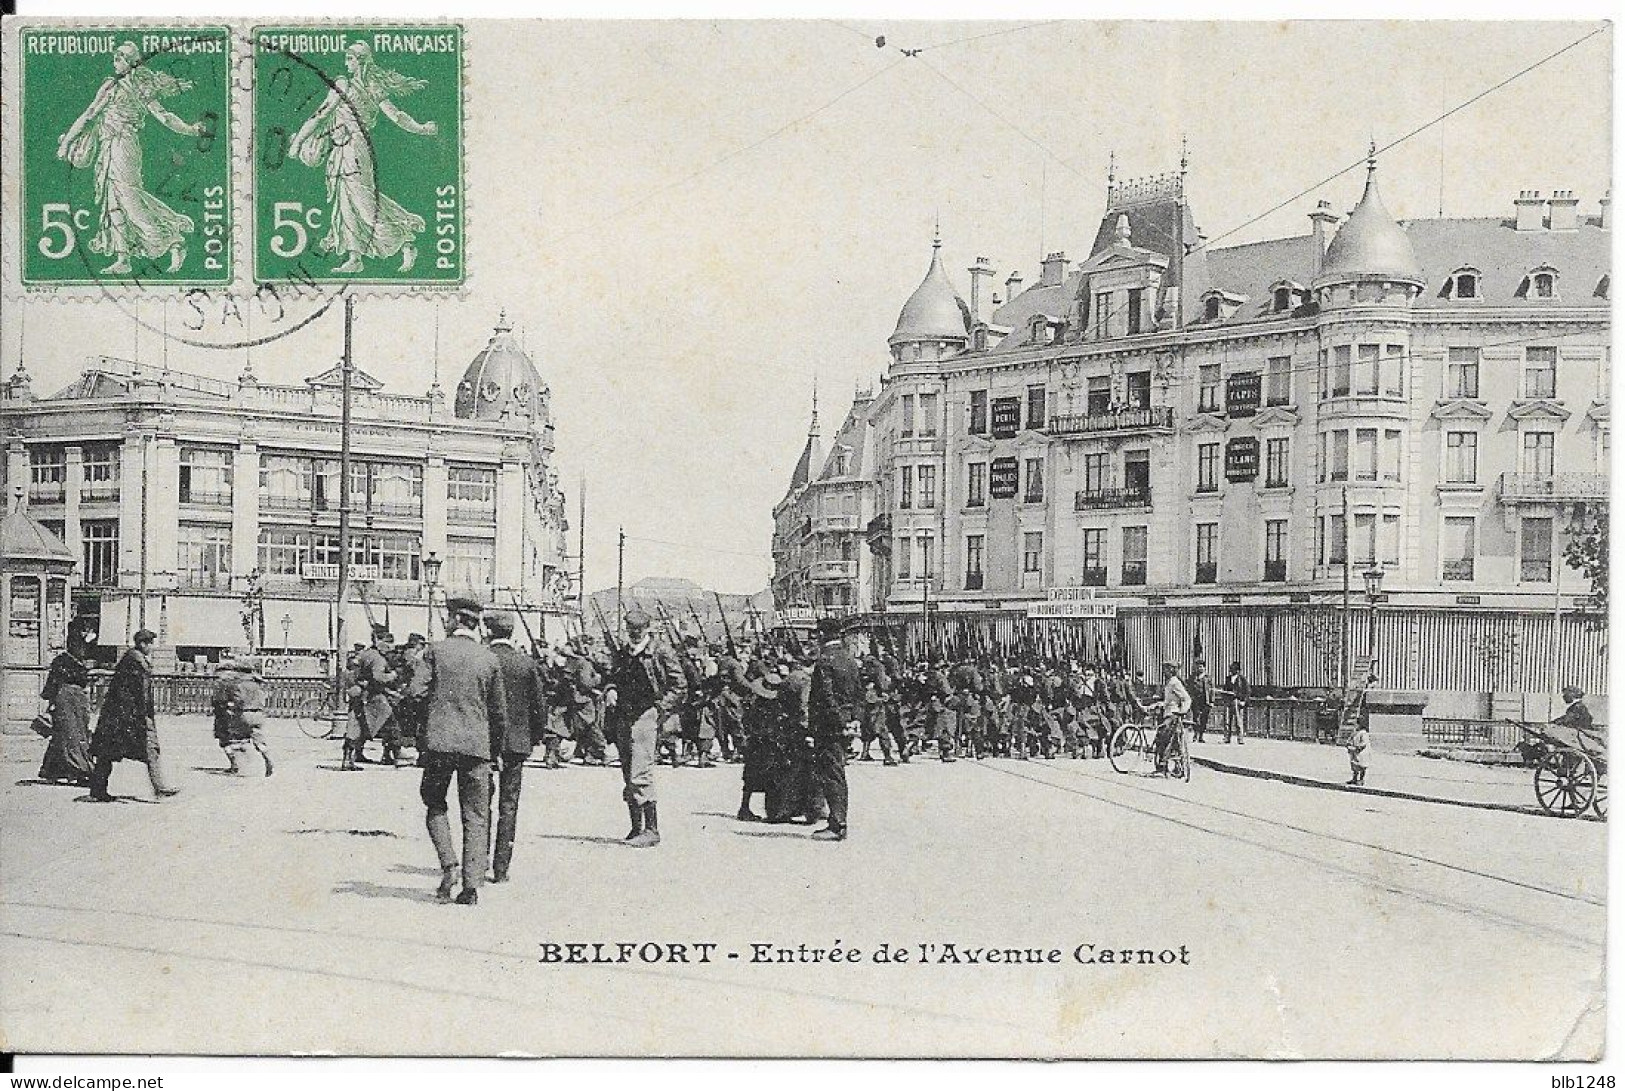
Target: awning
[[203, 622]]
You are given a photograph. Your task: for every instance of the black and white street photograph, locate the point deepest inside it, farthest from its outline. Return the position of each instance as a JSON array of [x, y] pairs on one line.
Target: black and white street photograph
[[863, 537]]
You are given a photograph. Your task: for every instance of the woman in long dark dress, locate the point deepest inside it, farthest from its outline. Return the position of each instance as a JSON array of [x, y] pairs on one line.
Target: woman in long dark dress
[[67, 689]]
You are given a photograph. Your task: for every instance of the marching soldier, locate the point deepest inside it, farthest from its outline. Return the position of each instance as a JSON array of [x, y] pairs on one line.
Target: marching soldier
[[465, 728], [647, 687], [832, 717], [525, 724], [877, 695], [372, 702]]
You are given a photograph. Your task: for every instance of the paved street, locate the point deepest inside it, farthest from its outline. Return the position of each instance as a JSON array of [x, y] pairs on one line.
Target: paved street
[[295, 914]]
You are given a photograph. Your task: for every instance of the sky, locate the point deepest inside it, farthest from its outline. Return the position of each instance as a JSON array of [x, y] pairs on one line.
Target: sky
[[692, 222]]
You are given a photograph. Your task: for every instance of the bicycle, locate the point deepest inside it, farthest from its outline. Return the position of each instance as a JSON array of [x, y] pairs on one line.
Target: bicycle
[[1132, 749], [316, 716]]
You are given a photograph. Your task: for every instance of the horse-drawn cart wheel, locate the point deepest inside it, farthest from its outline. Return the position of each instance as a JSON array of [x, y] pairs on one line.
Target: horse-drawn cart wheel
[[1599, 802], [1565, 783]]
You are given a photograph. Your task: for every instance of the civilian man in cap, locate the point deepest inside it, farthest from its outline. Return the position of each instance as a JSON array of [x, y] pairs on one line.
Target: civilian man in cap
[[372, 706], [646, 688], [128, 726], [465, 727], [525, 705], [832, 718]]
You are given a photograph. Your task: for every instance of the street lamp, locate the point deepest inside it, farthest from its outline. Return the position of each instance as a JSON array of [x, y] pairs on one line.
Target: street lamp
[[287, 626], [1373, 591], [431, 580]]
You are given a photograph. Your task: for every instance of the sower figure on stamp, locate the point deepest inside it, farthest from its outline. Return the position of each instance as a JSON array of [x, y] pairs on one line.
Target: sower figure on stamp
[[646, 689], [128, 726], [526, 712], [832, 719], [465, 723]]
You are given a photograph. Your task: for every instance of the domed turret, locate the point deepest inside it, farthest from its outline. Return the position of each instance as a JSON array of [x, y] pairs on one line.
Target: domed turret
[[501, 380], [1371, 245], [933, 315]]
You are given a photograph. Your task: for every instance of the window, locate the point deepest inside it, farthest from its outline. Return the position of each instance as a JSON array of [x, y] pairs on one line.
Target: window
[[928, 486], [1095, 472], [1094, 557], [905, 486], [1134, 539], [1535, 551], [1339, 378], [1138, 389], [471, 563], [973, 562], [906, 416], [926, 555], [1100, 394], [975, 484], [1207, 552], [1207, 393], [1278, 380], [395, 555], [1458, 548], [47, 474], [1275, 551], [928, 415], [1363, 542], [100, 540], [1136, 309], [1540, 284], [101, 462], [1103, 315], [1207, 467], [1340, 455], [1367, 369], [1282, 300], [1463, 284], [1035, 481], [1393, 451], [1365, 454], [1275, 462], [203, 556], [285, 483], [1388, 540], [978, 412], [471, 493], [1393, 370], [1210, 307], [205, 476], [905, 554], [325, 482], [1032, 552], [1461, 458], [1540, 372], [1137, 472], [1537, 453], [1334, 540], [282, 551], [1461, 374], [1035, 407]]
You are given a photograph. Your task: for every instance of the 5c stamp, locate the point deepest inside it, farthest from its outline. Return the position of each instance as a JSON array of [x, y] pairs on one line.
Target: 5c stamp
[[126, 157], [357, 154]]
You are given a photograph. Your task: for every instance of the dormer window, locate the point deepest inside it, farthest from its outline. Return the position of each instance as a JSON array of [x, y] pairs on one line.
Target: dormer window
[[1211, 307], [1541, 283], [1462, 284], [1285, 296], [1218, 305], [1283, 299]]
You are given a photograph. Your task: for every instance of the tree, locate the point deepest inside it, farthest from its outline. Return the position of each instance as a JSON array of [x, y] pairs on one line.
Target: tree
[[1586, 552]]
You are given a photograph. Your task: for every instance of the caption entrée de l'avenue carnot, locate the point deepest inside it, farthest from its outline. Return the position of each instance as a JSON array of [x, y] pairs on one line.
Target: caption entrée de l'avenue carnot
[[919, 953]]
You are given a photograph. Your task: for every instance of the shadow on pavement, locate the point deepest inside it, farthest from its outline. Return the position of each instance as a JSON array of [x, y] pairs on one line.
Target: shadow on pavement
[[364, 889], [352, 833], [582, 839], [1370, 790]]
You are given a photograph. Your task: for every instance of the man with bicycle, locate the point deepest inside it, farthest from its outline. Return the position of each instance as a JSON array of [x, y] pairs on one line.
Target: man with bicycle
[[1176, 703]]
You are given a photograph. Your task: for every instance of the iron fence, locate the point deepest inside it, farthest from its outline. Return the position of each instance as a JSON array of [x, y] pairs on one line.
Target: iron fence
[[191, 694], [1485, 734]]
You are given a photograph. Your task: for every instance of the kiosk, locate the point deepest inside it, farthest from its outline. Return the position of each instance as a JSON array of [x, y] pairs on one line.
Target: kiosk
[[36, 569]]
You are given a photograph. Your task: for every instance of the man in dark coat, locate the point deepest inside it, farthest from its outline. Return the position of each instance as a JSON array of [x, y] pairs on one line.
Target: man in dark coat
[[525, 705], [465, 724], [832, 718], [647, 688], [1237, 693], [127, 728], [372, 706]]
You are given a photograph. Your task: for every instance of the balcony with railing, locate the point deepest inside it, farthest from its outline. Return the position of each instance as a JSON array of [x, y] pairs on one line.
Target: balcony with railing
[[1124, 496], [1151, 418], [822, 571], [92, 492], [1564, 488], [46, 492], [198, 579], [207, 498], [470, 511]]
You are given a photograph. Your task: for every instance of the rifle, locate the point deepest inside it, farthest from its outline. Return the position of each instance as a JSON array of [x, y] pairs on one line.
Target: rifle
[[698, 624], [733, 649], [609, 635], [670, 625], [530, 636]]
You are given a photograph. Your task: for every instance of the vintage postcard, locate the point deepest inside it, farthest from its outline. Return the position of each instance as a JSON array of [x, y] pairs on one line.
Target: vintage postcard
[[821, 538]]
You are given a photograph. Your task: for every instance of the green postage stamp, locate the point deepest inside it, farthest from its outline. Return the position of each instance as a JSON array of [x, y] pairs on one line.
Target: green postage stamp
[[126, 157], [357, 154]]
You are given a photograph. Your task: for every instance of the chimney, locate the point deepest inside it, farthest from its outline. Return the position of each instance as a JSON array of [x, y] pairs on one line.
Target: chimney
[[1565, 210], [1054, 269], [1528, 206], [1012, 286], [1322, 219], [982, 270], [1607, 204]]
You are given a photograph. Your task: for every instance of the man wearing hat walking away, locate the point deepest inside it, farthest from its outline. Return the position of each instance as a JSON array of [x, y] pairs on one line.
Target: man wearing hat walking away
[[832, 718], [525, 706], [127, 728], [646, 688], [465, 726]]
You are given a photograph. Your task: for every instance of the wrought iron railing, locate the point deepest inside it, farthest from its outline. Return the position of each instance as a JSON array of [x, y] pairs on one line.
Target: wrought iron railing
[[1566, 486], [1112, 420], [1129, 496]]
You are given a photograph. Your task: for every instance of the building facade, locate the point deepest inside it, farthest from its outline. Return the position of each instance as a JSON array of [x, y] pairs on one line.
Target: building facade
[[208, 511], [1235, 441]]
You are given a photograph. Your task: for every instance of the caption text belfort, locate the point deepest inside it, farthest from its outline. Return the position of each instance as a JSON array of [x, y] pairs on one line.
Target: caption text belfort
[[932, 954]]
